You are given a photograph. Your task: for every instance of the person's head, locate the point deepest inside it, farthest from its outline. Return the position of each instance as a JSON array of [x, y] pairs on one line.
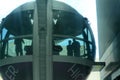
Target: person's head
[[73, 39], [69, 42]]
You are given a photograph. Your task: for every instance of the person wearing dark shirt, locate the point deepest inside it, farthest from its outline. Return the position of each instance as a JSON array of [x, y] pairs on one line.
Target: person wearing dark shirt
[[69, 48], [76, 48], [18, 46]]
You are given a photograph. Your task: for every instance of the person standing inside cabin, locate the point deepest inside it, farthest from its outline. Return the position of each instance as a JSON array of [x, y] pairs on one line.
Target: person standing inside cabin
[[76, 48], [18, 46], [69, 48]]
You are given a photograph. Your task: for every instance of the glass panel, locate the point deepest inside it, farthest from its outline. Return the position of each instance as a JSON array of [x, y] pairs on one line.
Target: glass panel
[[17, 71], [4, 31], [68, 25], [17, 25], [89, 36], [16, 47], [68, 47]]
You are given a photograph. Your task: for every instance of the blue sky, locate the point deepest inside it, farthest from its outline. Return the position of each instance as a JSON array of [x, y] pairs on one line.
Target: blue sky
[[86, 8]]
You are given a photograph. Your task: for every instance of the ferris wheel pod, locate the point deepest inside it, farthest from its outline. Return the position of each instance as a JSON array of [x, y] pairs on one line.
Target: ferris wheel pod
[[67, 24]]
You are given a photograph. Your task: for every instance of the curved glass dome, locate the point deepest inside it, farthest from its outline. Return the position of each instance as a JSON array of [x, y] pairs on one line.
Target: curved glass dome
[[72, 35], [67, 24]]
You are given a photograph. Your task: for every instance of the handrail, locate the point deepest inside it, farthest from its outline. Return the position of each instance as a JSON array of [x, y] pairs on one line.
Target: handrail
[[68, 36], [23, 36]]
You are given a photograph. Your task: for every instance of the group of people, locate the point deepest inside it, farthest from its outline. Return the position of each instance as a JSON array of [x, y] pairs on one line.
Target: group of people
[[73, 48]]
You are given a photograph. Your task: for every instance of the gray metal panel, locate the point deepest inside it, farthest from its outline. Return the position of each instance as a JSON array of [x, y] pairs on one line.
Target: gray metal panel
[[96, 66], [108, 15], [18, 59], [111, 57], [26, 6], [70, 59], [62, 6]]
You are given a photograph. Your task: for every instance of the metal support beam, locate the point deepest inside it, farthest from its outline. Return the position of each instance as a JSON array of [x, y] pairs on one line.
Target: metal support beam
[[98, 66], [42, 40], [42, 32]]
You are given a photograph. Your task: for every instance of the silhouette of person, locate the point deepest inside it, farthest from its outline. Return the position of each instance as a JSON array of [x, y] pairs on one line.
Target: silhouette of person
[[69, 48], [76, 48], [56, 49], [18, 46]]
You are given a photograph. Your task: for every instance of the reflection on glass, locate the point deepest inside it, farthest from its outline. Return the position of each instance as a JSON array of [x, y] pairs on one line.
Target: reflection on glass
[[16, 47], [78, 49], [68, 24], [72, 33], [71, 30], [16, 31]]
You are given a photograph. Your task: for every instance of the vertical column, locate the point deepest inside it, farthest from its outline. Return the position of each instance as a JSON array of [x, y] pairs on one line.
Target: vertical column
[[0, 35], [49, 67], [42, 39], [42, 32]]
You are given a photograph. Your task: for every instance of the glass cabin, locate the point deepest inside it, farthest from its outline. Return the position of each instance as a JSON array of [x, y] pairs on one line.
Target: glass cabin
[[72, 38]]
